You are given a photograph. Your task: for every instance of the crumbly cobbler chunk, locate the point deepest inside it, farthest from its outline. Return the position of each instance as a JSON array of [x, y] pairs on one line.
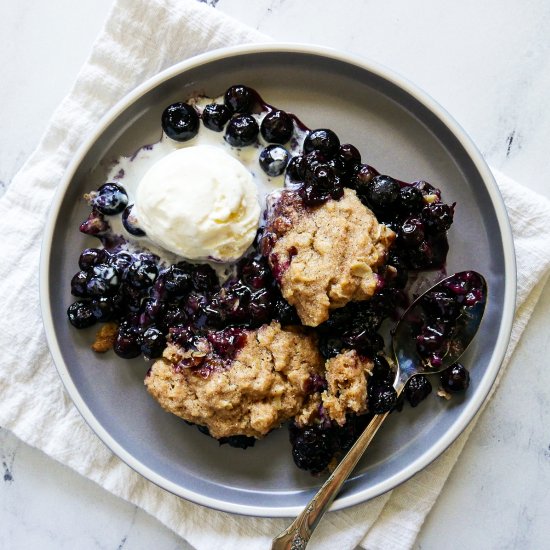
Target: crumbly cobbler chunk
[[266, 383], [347, 376], [327, 256]]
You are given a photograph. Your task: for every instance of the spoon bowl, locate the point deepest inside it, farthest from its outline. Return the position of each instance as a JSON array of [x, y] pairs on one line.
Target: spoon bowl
[[438, 327]]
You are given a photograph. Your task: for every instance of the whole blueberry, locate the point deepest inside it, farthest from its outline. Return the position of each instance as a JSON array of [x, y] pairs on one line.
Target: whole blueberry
[[323, 140], [381, 371], [273, 160], [350, 156], [239, 99], [383, 192], [417, 389], [153, 343], [215, 116], [241, 131], [110, 199], [277, 127], [438, 217], [177, 281], [180, 121], [81, 315], [296, 169], [104, 308], [130, 223], [91, 256], [411, 199], [128, 342], [456, 378], [79, 283], [381, 398], [204, 278], [141, 274], [361, 180], [412, 232]]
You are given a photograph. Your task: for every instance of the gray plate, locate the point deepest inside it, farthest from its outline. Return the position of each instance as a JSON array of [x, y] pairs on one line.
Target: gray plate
[[400, 131]]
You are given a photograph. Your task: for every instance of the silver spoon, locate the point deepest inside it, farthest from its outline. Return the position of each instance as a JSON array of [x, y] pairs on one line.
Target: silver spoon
[[409, 364]]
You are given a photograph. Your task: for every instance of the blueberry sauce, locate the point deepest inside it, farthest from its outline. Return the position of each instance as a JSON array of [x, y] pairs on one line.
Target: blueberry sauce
[[156, 302]]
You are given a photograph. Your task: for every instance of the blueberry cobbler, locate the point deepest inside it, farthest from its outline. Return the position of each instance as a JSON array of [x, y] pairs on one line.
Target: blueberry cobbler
[[253, 261]]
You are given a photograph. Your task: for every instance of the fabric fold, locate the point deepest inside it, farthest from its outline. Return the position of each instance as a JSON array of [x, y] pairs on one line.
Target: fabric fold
[[140, 38]]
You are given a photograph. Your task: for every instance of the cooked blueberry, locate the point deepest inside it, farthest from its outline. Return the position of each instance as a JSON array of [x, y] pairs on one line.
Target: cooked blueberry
[[95, 224], [90, 257], [382, 192], [412, 232], [153, 343], [277, 127], [400, 277], [312, 195], [180, 121], [456, 378], [130, 223], [362, 179], [142, 274], [285, 313], [312, 449], [173, 315], [363, 340], [110, 199], [441, 304], [330, 347], [104, 308], [381, 371], [78, 284], [96, 286], [254, 272], [242, 131], [349, 156], [411, 199], [177, 281], [438, 217], [81, 315], [127, 343], [204, 278], [121, 261], [296, 168], [215, 116], [152, 310], [239, 99], [228, 341], [417, 389], [381, 398], [323, 140], [273, 160]]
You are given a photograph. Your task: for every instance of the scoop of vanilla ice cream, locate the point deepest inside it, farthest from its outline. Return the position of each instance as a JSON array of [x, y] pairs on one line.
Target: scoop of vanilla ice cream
[[200, 203]]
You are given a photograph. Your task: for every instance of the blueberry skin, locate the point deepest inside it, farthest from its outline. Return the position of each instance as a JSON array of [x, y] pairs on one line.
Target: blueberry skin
[[242, 131], [216, 116], [111, 199], [323, 140], [239, 99], [273, 160], [277, 127], [180, 122], [383, 192], [81, 315]]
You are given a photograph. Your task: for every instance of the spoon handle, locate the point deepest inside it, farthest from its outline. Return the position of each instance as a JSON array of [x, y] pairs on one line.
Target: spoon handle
[[297, 536]]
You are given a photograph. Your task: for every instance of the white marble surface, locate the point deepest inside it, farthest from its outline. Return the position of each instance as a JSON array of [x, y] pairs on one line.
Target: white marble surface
[[489, 65]]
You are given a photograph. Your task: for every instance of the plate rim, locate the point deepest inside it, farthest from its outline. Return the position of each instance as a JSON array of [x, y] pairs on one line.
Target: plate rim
[[469, 409]]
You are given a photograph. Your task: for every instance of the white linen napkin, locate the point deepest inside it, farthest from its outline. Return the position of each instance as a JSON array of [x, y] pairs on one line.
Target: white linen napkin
[[140, 38]]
